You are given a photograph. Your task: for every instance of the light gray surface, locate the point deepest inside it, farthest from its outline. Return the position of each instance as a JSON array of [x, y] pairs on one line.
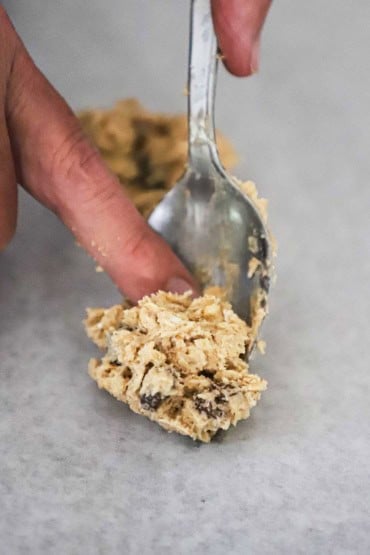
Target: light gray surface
[[79, 472]]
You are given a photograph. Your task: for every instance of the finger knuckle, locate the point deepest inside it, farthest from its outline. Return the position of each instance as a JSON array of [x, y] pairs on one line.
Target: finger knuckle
[[68, 155], [75, 171], [137, 245]]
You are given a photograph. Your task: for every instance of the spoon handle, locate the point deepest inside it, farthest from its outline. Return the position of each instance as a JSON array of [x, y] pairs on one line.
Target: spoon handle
[[201, 85]]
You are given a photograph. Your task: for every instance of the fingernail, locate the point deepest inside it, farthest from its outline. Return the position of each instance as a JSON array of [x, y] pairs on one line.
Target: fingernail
[[178, 285], [255, 56]]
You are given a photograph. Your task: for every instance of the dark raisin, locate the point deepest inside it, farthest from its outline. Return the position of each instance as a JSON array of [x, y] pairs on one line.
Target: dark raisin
[[265, 283], [115, 363], [189, 392], [263, 248], [162, 129], [207, 374], [151, 402], [127, 374], [220, 398], [202, 405], [125, 327], [175, 406]]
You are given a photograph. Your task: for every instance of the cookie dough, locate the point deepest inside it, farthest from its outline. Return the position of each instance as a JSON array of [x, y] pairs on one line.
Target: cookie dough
[[177, 361], [146, 150], [180, 362]]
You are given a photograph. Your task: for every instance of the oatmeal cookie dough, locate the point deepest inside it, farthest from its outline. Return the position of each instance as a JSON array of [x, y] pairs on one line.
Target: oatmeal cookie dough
[[146, 150], [178, 361]]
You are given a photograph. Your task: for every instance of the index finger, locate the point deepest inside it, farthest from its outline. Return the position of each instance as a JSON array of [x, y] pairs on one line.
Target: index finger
[[59, 167]]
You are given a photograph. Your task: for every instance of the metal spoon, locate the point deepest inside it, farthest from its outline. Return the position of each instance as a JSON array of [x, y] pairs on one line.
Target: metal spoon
[[211, 225]]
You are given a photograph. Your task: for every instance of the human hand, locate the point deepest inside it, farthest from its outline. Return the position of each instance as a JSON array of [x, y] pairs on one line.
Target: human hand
[[43, 148]]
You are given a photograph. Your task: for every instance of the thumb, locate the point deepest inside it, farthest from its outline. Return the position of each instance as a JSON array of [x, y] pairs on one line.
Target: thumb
[[59, 167], [238, 25]]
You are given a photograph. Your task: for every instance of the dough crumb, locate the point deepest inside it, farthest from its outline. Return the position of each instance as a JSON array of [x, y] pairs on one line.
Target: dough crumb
[[261, 346], [176, 360]]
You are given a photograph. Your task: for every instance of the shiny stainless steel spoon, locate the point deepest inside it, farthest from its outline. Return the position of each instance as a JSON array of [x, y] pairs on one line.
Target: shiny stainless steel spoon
[[206, 219]]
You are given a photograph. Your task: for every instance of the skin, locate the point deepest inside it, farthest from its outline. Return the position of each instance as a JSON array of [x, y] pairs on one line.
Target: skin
[[43, 148]]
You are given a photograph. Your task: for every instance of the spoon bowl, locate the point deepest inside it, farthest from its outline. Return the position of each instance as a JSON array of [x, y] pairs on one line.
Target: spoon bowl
[[212, 226]]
